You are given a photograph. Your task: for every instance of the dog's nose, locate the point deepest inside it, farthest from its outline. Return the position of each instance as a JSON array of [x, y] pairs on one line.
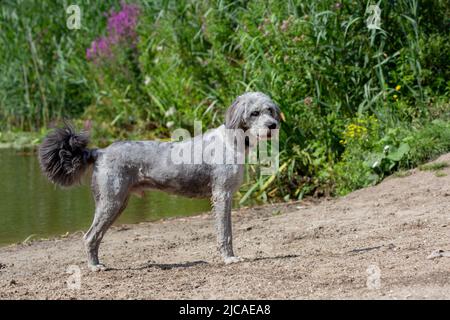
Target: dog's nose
[[273, 126]]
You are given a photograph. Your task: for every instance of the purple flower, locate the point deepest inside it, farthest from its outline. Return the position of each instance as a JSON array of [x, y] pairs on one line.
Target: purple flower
[[99, 48], [122, 24], [121, 27]]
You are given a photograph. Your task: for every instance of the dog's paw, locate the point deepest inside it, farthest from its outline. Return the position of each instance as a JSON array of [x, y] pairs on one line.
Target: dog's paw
[[97, 267], [230, 260]]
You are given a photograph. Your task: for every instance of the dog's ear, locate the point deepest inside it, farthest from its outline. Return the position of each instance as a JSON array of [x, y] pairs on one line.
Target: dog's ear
[[234, 116], [279, 115]]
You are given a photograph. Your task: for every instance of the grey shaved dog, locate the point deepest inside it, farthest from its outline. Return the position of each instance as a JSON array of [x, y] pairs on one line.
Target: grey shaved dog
[[132, 166]]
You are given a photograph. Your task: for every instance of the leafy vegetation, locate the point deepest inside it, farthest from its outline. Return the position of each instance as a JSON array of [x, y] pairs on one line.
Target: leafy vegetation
[[359, 103], [440, 174], [433, 166]]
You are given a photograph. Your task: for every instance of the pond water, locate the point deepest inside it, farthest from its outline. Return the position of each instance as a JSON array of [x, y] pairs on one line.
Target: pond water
[[30, 205]]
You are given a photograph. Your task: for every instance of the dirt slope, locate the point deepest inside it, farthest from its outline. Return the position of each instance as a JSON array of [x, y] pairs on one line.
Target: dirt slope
[[331, 249]]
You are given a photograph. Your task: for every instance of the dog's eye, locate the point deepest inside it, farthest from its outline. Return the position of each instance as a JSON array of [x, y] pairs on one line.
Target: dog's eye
[[255, 113]]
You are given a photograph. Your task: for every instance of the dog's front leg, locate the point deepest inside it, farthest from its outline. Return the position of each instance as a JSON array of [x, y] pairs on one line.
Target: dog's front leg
[[222, 202]]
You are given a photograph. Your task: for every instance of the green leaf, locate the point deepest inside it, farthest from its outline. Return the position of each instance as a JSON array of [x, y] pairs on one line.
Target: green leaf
[[374, 160], [396, 154]]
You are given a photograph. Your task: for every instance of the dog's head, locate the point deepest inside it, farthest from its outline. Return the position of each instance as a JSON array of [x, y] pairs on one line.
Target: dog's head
[[253, 111]]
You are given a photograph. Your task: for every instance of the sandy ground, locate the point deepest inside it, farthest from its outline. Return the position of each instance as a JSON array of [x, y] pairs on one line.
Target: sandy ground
[[373, 243]]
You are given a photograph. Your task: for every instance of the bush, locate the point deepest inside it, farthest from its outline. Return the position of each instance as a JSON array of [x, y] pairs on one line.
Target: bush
[[347, 91], [405, 147]]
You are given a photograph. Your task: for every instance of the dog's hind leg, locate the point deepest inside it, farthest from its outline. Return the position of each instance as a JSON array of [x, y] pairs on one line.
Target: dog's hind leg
[[109, 205], [105, 215]]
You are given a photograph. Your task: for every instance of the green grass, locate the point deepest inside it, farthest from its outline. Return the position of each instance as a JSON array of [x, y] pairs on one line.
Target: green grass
[[440, 174], [329, 73], [434, 166], [402, 173]]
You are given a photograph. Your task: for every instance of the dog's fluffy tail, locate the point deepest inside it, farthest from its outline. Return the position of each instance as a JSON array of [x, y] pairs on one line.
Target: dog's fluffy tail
[[64, 156]]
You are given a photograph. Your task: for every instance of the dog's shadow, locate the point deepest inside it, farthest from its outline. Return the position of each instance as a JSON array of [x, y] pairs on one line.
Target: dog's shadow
[[190, 264], [281, 257], [163, 266]]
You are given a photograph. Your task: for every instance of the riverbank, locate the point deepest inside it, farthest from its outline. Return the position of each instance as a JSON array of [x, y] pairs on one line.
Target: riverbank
[[297, 250], [20, 141]]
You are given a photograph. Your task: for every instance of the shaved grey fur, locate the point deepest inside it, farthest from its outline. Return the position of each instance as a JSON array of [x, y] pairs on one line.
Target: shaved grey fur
[[133, 166]]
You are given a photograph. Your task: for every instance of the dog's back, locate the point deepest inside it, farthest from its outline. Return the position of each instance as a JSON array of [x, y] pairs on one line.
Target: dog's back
[[150, 165]]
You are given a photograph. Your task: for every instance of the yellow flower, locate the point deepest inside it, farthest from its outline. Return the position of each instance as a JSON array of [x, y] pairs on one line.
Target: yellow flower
[[395, 97], [398, 87]]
